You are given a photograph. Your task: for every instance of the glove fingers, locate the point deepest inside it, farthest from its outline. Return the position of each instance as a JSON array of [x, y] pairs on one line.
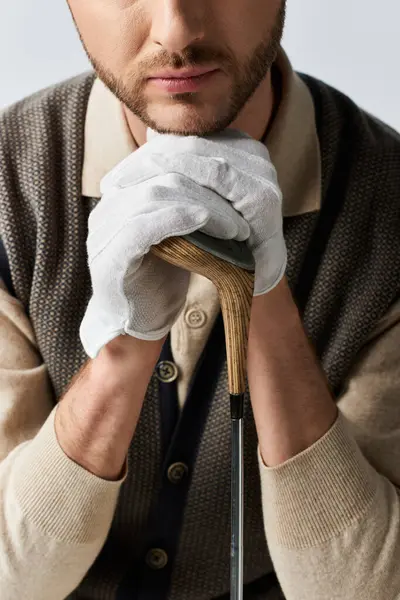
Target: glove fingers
[[239, 149], [245, 154], [173, 206], [133, 236], [224, 221], [258, 199], [230, 181]]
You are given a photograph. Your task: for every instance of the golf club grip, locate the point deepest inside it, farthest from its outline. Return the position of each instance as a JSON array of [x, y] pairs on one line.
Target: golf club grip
[[235, 289]]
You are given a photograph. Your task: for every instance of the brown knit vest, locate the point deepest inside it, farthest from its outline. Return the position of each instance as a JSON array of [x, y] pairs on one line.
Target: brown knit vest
[[343, 268]]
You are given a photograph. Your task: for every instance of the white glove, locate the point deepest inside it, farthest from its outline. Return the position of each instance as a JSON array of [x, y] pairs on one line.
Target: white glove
[[134, 292], [239, 169]]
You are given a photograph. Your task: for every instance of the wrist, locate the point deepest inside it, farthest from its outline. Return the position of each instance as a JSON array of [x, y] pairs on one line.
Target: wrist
[[275, 309], [124, 355], [96, 419]]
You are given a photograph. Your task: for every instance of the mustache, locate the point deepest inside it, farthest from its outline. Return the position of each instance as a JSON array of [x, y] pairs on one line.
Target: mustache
[[193, 56]]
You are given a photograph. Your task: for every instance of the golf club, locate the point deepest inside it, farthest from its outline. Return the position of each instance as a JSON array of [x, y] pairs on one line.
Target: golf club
[[230, 267]]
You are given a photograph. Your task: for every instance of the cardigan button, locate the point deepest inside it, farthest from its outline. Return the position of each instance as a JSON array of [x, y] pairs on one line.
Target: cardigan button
[[177, 471], [195, 318], [156, 558], [166, 371]]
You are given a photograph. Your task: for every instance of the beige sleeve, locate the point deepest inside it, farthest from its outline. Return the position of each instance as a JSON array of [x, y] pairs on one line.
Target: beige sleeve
[[54, 515], [332, 513]]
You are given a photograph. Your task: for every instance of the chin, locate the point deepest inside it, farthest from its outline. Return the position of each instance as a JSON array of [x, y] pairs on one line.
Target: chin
[[186, 119]]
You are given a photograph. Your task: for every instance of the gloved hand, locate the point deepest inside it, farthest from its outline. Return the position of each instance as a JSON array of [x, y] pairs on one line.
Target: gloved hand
[[239, 169], [135, 292]]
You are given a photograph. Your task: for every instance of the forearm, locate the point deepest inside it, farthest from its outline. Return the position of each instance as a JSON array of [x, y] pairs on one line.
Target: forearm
[[331, 520], [291, 401], [96, 419], [56, 502]]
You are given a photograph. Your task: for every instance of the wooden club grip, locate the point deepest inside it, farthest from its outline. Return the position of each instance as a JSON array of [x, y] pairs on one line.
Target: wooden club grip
[[235, 289]]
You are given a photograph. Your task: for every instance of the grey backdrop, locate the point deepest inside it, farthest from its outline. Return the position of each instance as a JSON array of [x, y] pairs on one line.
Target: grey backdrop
[[352, 44]]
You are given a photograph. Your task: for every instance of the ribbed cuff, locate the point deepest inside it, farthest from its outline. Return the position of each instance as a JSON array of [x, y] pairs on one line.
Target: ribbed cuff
[[317, 494], [59, 496]]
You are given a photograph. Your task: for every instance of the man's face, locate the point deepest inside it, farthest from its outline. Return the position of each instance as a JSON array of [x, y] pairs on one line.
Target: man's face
[[129, 41]]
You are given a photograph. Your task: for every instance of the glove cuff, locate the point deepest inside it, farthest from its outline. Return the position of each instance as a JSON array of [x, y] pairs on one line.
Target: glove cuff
[[271, 262]]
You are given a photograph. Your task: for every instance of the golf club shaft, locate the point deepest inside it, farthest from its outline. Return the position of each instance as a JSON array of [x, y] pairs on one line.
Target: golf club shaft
[[237, 510]]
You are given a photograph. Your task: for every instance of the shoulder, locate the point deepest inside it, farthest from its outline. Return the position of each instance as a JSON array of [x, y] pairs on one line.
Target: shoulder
[[39, 133], [41, 152], [357, 148], [41, 113], [335, 110]]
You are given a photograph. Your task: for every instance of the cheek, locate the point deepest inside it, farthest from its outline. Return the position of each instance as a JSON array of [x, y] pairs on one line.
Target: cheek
[[249, 23], [113, 31]]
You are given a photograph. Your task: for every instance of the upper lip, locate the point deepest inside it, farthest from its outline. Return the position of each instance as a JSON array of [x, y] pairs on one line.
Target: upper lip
[[182, 74]]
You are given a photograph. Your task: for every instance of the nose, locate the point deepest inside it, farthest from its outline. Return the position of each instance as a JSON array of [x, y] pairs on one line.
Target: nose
[[177, 23]]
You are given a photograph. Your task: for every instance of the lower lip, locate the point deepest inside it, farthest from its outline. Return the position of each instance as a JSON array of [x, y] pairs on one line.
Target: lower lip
[[184, 84]]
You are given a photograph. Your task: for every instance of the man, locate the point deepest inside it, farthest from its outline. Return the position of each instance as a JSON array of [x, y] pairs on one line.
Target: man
[[320, 211]]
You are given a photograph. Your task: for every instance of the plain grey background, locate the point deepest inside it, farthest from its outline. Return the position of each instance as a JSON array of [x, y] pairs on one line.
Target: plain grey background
[[351, 44]]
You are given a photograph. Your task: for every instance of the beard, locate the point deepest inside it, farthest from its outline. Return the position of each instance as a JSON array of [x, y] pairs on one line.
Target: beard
[[245, 78]]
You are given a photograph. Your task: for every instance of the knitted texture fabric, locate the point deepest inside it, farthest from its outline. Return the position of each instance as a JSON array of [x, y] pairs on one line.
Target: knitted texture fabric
[[343, 269]]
